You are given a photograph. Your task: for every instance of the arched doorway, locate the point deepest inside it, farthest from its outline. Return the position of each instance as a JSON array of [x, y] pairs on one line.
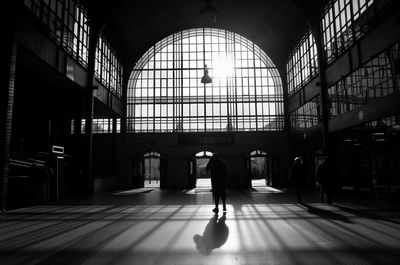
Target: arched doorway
[[260, 169], [151, 169], [203, 180]]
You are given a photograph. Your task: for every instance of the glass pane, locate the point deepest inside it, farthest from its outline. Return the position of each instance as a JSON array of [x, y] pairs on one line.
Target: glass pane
[[233, 83]]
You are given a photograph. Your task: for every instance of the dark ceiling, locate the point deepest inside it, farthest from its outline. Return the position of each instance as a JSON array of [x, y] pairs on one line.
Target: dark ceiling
[[135, 25]]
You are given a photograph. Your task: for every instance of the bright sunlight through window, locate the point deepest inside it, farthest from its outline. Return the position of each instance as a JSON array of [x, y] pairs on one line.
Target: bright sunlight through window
[[223, 66], [165, 93]]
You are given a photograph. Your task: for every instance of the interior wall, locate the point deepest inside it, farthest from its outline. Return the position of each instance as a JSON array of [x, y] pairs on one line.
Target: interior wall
[[179, 150]]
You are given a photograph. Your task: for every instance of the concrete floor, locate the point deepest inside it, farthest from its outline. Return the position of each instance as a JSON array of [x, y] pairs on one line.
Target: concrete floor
[[149, 226]]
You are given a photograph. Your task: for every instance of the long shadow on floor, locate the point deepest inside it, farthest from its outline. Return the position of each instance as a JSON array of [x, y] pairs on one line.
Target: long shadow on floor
[[214, 236], [366, 214], [327, 214]]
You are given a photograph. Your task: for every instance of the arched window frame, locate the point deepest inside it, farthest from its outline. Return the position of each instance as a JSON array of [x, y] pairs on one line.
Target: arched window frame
[[164, 101]]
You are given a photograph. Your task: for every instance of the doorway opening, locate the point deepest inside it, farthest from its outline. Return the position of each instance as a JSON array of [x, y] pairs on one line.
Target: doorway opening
[[203, 180], [151, 162], [259, 169]]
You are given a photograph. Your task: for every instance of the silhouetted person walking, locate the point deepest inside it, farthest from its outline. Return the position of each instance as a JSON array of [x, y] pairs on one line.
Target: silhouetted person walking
[[218, 179], [298, 175], [324, 179]]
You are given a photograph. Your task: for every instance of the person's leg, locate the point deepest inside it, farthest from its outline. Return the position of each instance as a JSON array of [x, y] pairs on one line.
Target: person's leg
[[216, 201], [223, 197], [322, 193], [329, 195]]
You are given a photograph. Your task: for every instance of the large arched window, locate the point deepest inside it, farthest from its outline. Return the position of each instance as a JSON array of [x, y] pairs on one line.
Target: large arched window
[[165, 93]]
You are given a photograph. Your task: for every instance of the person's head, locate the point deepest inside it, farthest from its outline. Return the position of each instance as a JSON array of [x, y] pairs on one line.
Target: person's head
[[298, 160], [202, 245]]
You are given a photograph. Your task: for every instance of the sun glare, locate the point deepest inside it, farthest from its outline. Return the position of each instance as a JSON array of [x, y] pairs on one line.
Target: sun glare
[[223, 67]]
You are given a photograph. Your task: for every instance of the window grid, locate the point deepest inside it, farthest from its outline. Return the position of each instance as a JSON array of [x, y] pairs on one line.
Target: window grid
[[375, 79], [258, 153], [306, 116], [389, 121], [67, 22], [108, 69], [343, 22], [302, 64], [165, 93], [99, 126]]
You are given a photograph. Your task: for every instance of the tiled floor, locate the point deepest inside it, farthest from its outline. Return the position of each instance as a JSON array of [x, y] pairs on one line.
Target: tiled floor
[[178, 227]]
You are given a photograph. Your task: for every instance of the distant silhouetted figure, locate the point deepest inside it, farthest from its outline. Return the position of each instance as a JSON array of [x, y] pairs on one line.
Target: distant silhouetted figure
[[324, 179], [218, 179], [214, 236], [298, 175]]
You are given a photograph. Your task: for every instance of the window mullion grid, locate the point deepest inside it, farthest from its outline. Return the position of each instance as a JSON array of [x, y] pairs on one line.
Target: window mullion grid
[[108, 59], [181, 88], [353, 32], [301, 66], [308, 56], [255, 88], [154, 91], [101, 58], [173, 82], [235, 80], [248, 89], [78, 38], [62, 34], [189, 100], [335, 30], [204, 85], [232, 86]]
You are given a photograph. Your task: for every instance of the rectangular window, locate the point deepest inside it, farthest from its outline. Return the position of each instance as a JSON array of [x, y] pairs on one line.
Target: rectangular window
[[67, 23], [108, 69], [99, 126], [343, 22], [306, 116], [302, 64], [371, 81]]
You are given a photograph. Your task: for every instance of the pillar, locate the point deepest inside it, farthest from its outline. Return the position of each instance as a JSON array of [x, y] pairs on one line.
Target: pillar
[[9, 52]]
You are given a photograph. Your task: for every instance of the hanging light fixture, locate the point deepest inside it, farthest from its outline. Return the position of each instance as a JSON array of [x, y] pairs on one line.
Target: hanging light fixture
[[208, 14], [206, 79]]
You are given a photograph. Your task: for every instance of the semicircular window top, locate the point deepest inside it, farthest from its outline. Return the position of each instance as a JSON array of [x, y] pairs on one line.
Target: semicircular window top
[[165, 93]]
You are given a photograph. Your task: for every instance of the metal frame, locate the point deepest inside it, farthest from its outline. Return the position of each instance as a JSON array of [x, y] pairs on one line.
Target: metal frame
[[165, 94]]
